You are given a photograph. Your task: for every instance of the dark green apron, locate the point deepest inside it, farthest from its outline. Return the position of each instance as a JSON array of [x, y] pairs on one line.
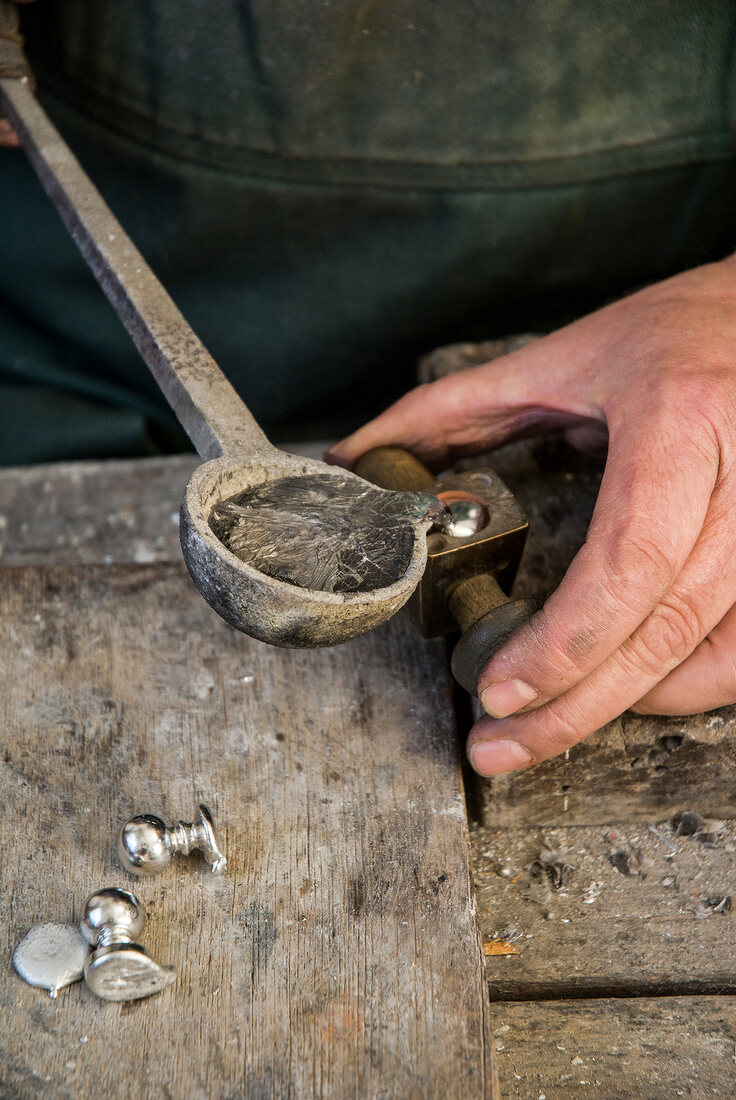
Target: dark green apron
[[330, 188]]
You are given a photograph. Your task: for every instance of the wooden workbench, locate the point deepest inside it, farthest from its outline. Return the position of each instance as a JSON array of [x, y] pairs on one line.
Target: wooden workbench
[[341, 955]]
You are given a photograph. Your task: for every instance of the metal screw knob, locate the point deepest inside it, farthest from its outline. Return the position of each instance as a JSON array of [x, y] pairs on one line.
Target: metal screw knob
[[146, 845], [112, 916], [119, 969]]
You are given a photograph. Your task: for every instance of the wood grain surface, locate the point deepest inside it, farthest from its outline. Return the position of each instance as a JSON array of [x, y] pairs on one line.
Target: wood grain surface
[[93, 512], [648, 1048], [127, 694], [633, 912], [339, 955]]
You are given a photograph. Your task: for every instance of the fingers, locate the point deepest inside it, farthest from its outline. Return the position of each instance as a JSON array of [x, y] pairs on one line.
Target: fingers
[[706, 680], [689, 611], [523, 393], [8, 137], [651, 509]]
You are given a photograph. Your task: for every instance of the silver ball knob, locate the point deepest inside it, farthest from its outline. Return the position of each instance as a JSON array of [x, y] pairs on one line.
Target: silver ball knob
[[464, 515], [119, 969], [112, 916], [142, 846], [146, 845], [468, 517]]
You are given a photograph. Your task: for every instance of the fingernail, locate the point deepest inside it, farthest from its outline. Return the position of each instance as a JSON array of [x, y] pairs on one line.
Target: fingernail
[[495, 757], [500, 700]]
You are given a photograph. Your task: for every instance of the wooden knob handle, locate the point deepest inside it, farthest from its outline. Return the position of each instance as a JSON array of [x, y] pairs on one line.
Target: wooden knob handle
[[395, 468], [486, 617]]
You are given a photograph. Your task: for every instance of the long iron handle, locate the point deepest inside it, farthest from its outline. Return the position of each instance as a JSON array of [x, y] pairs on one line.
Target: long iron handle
[[210, 411]]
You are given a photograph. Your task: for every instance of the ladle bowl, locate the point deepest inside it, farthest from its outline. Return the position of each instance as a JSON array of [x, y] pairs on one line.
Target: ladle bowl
[[265, 607]]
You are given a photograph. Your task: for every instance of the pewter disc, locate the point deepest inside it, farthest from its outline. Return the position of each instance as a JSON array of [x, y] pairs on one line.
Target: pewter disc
[[51, 956]]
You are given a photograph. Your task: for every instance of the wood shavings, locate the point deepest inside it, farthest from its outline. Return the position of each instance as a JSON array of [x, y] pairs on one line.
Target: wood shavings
[[691, 824], [631, 862], [499, 947], [718, 903], [551, 864], [665, 840], [591, 892]]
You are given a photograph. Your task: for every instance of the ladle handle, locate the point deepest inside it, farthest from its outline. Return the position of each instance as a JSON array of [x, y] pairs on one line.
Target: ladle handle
[[210, 411]]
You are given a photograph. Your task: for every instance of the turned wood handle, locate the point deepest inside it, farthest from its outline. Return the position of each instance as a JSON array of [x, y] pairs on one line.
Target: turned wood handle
[[395, 468], [486, 617]]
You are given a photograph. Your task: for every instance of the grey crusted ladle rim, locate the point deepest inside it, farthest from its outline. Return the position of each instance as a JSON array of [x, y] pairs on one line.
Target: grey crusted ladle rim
[[263, 606]]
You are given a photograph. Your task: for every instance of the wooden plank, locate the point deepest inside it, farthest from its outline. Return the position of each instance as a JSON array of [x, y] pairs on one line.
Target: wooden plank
[[89, 512], [638, 768], [648, 1048], [339, 955], [599, 931]]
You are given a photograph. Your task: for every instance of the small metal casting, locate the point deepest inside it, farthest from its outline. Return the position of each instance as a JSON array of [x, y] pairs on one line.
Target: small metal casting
[[146, 845], [51, 956], [119, 969], [465, 516]]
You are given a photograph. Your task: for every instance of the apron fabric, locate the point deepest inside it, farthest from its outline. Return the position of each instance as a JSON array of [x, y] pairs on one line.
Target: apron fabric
[[328, 190]]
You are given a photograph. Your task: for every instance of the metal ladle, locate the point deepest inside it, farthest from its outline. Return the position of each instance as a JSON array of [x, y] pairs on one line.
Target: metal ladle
[[218, 423]]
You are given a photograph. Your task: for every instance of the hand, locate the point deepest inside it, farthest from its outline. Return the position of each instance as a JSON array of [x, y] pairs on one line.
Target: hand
[[645, 616]]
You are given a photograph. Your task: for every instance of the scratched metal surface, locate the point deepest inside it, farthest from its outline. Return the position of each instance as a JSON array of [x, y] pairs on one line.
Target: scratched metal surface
[[321, 533]]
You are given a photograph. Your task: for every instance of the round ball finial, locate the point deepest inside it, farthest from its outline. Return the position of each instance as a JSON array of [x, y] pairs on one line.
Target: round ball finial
[[142, 845], [111, 914]]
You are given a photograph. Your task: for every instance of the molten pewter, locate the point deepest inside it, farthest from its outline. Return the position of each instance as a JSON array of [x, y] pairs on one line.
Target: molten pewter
[[119, 969], [146, 845], [51, 956], [324, 533]]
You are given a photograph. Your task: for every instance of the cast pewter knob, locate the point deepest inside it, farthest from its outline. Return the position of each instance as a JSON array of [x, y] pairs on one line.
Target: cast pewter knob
[[119, 969], [146, 845]]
